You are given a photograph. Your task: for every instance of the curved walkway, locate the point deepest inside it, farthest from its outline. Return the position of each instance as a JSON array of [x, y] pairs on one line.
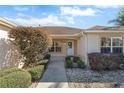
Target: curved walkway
[[54, 76]]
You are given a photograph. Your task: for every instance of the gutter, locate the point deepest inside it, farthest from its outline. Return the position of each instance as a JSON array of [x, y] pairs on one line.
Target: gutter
[[103, 31], [7, 22]]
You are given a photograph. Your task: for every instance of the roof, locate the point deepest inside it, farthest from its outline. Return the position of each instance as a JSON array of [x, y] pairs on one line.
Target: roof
[[106, 29], [60, 30], [98, 27], [7, 23]]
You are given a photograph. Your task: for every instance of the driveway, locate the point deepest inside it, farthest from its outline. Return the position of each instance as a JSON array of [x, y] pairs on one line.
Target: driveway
[[55, 75]]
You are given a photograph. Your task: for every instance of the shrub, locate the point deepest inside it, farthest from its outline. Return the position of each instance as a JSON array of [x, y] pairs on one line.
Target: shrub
[[36, 72], [32, 42], [17, 79], [75, 59], [68, 58], [69, 63], [8, 71], [100, 61], [44, 62], [47, 56], [80, 63]]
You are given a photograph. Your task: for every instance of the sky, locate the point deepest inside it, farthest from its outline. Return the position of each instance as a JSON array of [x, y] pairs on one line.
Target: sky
[[84, 16]]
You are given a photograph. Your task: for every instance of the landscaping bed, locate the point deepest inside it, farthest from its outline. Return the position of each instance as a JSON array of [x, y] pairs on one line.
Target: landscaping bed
[[74, 62], [82, 78], [100, 61]]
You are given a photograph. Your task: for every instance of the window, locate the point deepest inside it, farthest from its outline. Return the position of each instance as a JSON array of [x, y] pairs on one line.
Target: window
[[111, 45], [56, 47], [105, 45], [117, 45]]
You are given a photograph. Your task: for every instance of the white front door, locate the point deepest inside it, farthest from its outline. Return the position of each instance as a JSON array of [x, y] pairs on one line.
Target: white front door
[[70, 48]]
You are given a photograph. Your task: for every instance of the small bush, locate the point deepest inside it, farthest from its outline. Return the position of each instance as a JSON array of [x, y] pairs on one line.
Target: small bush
[[69, 63], [80, 64], [75, 59], [47, 56], [68, 58], [100, 61], [36, 72], [17, 79], [44, 62]]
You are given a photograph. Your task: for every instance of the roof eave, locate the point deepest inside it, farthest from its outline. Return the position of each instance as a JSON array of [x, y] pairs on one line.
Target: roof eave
[[7, 23], [103, 31]]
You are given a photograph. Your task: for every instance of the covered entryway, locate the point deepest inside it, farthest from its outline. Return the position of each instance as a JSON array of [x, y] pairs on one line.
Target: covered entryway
[[63, 47]]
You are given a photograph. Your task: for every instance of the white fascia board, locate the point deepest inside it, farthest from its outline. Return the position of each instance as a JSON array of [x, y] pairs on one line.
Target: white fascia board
[[8, 22], [78, 34], [103, 31]]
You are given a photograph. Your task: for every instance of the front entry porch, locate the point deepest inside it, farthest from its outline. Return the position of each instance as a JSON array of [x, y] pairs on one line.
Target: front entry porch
[[63, 47]]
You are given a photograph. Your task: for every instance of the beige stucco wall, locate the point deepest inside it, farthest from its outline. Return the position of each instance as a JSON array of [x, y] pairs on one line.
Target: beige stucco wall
[[93, 40], [81, 47], [93, 43]]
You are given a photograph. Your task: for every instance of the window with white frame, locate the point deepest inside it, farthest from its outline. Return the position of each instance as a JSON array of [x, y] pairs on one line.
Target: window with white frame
[[56, 47], [111, 45]]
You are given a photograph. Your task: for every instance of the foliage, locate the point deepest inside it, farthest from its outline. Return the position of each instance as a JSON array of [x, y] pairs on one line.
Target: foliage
[[80, 63], [47, 56], [120, 19], [36, 72], [100, 61], [75, 59], [4, 72], [68, 58], [69, 64], [32, 42], [17, 79], [44, 62]]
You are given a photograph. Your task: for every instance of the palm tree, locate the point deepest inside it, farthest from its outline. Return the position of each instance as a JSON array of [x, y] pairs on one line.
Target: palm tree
[[119, 21]]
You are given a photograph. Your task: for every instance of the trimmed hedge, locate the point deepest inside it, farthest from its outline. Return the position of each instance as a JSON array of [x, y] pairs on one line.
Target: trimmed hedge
[[17, 79], [8, 71], [36, 72], [100, 61], [44, 62]]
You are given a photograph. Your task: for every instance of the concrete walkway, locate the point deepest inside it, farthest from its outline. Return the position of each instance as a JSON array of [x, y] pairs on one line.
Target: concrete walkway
[[54, 76]]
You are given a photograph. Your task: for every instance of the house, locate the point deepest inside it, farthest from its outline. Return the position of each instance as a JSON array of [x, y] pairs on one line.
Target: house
[[5, 26], [68, 41], [7, 52]]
